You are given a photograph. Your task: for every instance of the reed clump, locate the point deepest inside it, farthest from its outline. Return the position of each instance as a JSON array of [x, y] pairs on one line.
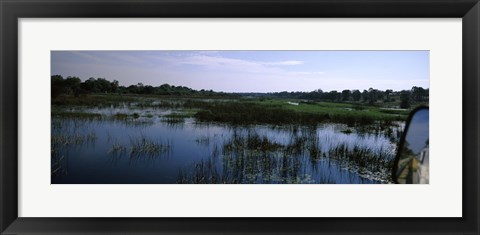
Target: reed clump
[[117, 149], [74, 139], [146, 147]]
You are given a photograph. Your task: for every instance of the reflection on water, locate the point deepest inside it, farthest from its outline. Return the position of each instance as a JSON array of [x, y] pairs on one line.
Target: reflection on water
[[155, 150]]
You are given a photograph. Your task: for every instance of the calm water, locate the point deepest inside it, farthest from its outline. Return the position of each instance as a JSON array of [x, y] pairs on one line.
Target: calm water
[[153, 150]]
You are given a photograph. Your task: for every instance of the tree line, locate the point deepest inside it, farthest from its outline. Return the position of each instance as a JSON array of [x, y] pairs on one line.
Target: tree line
[[74, 86], [370, 96]]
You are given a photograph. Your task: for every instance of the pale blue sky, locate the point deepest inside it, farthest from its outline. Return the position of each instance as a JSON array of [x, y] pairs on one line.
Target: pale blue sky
[[251, 71]]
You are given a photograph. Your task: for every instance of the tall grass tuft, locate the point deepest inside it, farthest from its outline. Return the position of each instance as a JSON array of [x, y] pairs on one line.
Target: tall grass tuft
[[146, 147], [73, 139]]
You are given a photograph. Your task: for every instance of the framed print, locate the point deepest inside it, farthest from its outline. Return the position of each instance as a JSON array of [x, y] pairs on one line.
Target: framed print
[[239, 117]]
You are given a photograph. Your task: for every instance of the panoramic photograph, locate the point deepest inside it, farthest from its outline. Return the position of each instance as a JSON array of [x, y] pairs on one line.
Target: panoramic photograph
[[235, 117]]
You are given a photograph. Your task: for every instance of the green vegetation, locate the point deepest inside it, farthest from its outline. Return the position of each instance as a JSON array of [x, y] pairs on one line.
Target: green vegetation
[[278, 111], [250, 111]]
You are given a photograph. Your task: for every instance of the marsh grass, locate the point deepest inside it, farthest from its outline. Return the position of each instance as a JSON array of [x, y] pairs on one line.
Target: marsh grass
[[244, 112], [347, 131], [253, 158], [203, 140], [363, 158], [117, 149], [120, 116], [245, 169], [173, 120], [61, 142], [248, 111], [145, 147], [74, 139], [252, 142], [248, 159]]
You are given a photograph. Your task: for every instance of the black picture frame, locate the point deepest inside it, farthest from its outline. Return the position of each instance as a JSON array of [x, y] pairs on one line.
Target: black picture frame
[[12, 10]]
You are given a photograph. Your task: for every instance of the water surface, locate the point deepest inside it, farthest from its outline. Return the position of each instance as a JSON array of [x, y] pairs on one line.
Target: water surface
[[151, 149]]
